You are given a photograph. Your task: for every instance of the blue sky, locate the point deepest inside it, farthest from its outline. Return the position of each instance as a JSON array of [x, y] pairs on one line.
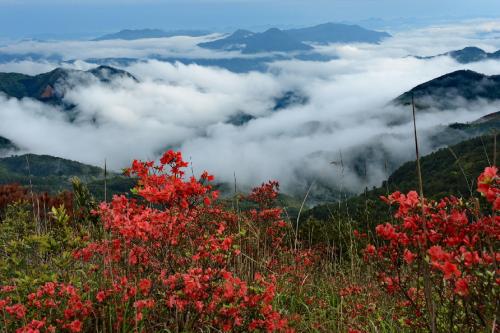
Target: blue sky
[[25, 18]]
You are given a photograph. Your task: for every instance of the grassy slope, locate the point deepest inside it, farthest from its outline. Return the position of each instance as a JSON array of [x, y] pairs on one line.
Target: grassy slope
[[53, 174]]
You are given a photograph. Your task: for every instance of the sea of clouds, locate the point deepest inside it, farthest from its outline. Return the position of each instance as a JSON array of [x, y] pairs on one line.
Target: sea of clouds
[[347, 116]]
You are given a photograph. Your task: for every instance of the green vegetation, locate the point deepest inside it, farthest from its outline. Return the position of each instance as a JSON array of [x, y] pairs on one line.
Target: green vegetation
[[21, 85], [45, 173], [448, 171], [176, 259]]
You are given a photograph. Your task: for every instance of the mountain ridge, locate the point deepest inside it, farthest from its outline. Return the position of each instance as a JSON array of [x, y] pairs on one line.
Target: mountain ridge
[[46, 173], [440, 91], [44, 87], [469, 54], [337, 33], [276, 40], [271, 40]]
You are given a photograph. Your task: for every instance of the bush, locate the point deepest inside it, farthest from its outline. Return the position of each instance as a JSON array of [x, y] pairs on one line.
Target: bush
[[439, 259], [169, 261]]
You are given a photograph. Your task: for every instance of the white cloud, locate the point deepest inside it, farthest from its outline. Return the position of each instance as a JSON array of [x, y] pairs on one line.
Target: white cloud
[[141, 48]]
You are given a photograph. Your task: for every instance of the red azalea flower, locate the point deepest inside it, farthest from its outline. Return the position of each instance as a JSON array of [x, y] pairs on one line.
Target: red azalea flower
[[101, 295], [75, 326], [145, 286], [450, 270], [409, 257], [461, 287]]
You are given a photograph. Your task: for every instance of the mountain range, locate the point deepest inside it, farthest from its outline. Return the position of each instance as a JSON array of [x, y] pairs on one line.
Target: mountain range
[[266, 47], [463, 84], [272, 40], [276, 40]]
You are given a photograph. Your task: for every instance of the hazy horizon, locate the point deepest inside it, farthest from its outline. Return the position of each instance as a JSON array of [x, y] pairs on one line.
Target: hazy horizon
[[85, 19]]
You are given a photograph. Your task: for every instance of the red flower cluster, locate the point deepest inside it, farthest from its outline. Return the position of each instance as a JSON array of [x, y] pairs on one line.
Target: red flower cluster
[[172, 258], [41, 202], [488, 185], [52, 306], [176, 248], [454, 239]]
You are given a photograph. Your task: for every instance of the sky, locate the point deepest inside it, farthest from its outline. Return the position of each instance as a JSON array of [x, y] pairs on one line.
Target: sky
[[89, 18]]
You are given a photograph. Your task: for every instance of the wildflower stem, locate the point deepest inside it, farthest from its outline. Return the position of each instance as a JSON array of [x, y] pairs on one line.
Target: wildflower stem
[[298, 216], [427, 282]]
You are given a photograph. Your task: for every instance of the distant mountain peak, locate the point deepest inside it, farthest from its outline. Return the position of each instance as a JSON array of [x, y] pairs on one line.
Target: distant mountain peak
[[271, 40], [107, 73], [273, 31], [242, 33], [472, 49], [460, 73], [468, 55]]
